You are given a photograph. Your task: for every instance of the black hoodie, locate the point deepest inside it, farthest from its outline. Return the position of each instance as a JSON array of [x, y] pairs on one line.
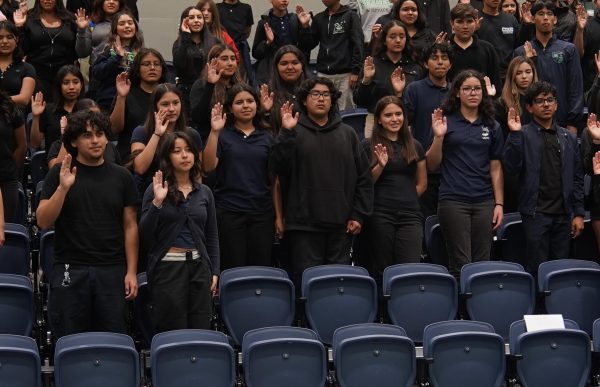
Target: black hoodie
[[327, 172]]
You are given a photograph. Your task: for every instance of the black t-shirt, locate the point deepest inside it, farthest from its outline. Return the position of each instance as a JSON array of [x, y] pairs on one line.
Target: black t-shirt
[[89, 229], [136, 109], [11, 79], [502, 31], [50, 124], [110, 153], [236, 18], [395, 190], [8, 166]]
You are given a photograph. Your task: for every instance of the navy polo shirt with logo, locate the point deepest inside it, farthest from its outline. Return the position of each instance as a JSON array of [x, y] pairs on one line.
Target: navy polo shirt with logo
[[467, 150]]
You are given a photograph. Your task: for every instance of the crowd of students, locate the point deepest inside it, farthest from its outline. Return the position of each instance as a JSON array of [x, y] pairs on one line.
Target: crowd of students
[[474, 111]]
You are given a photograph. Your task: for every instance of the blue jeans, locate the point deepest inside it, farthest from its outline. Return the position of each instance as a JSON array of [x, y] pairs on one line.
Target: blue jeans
[[547, 237]]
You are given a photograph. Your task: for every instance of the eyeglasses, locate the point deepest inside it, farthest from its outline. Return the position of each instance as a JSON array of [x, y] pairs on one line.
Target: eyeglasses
[[471, 90], [542, 101], [151, 64], [318, 94]]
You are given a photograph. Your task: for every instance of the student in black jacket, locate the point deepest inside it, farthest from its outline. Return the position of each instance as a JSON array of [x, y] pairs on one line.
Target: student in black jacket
[[330, 191]]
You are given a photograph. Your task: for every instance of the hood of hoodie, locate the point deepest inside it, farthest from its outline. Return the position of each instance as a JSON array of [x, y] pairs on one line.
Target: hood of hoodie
[[333, 122]]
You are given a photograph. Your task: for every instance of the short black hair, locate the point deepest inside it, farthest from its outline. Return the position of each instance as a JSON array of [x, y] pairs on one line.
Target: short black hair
[[77, 124], [444, 48], [539, 5], [537, 88], [307, 86]]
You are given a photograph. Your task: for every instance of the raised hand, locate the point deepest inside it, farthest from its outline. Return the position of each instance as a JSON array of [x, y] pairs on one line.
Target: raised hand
[[266, 98], [596, 163], [185, 27], [123, 84], [217, 118], [381, 154], [160, 122], [491, 89], [81, 19], [441, 37], [582, 17], [398, 81], [513, 120], [270, 36], [289, 120], [118, 47], [376, 31], [597, 60], [303, 16], [20, 18], [593, 126], [368, 69], [160, 188], [526, 15], [529, 50], [439, 124], [63, 124], [38, 105], [212, 73], [67, 174]]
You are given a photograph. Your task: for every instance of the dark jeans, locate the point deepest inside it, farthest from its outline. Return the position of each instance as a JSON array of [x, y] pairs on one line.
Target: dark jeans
[[313, 248], [547, 237], [180, 295], [10, 200], [245, 240], [467, 230], [93, 300], [394, 238]]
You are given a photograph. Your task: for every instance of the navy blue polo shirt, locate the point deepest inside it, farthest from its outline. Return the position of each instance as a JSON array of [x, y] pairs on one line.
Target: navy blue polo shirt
[[467, 150], [243, 184], [281, 28]]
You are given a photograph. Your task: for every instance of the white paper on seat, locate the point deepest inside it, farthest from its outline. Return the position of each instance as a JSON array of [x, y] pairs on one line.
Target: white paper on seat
[[538, 322]]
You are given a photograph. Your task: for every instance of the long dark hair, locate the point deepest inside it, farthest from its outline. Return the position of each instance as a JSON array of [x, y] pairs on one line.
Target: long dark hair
[[137, 41], [207, 40], [215, 27], [220, 88], [451, 104], [98, 14], [134, 71], [59, 99], [157, 94], [8, 109], [380, 48], [9, 26], [230, 97], [60, 10], [164, 158], [408, 149], [420, 22]]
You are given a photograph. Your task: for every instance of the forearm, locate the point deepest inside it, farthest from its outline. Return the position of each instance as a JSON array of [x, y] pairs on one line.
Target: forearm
[[35, 137], [117, 117], [62, 152], [578, 42], [434, 154], [210, 161], [376, 172], [142, 161], [49, 210], [497, 181], [131, 246], [83, 43], [24, 96], [276, 197]]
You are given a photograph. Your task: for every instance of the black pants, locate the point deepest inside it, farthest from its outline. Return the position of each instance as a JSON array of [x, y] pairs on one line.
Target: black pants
[[429, 199], [547, 237], [313, 248], [394, 238], [467, 230], [10, 199], [93, 299], [245, 240], [180, 295]]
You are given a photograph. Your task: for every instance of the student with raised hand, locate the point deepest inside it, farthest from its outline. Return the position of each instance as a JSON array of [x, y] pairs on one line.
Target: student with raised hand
[[238, 148], [120, 50], [330, 191], [165, 115], [101, 19], [556, 62], [13, 145], [220, 74], [412, 15], [178, 228], [338, 33], [467, 148], [395, 229], [68, 87], [546, 159], [18, 77], [52, 37], [134, 88], [391, 68], [190, 51], [237, 19], [275, 29]]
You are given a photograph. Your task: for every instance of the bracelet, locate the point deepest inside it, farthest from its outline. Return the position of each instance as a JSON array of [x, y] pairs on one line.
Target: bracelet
[[499, 204], [155, 134]]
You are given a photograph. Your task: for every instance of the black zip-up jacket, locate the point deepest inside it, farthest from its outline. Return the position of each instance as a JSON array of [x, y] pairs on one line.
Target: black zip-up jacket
[[327, 173], [189, 58], [340, 39]]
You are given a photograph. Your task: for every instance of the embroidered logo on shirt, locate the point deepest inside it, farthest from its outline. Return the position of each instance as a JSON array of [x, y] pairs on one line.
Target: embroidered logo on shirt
[[558, 57], [339, 27], [485, 133], [508, 30]]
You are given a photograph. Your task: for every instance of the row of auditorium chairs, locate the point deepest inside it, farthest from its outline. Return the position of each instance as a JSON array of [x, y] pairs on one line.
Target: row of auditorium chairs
[[457, 353]]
